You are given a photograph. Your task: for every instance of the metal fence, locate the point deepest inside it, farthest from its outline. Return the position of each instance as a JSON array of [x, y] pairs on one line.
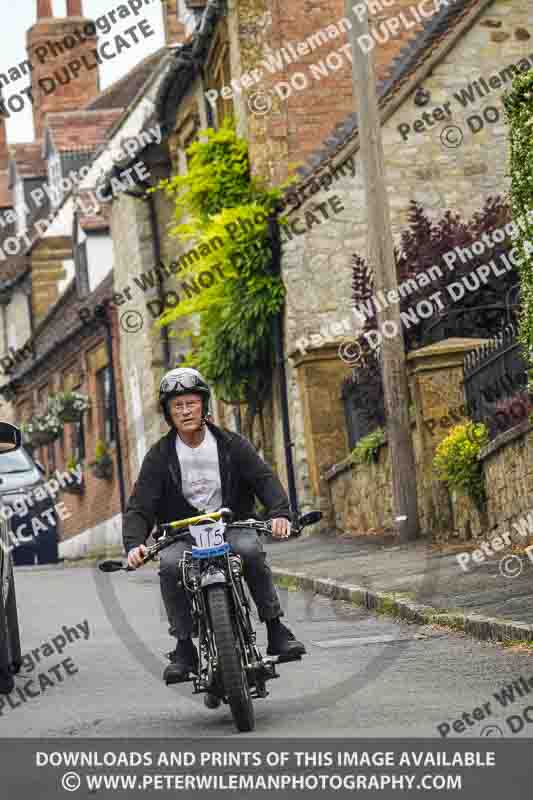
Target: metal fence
[[496, 381], [363, 400]]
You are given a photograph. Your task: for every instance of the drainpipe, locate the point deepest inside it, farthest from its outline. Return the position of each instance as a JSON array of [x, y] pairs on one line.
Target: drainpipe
[[157, 256], [280, 364], [104, 318]]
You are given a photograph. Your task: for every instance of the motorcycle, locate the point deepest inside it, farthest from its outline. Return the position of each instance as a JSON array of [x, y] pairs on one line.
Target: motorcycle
[[231, 668]]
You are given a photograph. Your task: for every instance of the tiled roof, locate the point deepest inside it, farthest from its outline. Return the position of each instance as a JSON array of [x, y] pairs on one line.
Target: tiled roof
[[442, 26], [121, 93], [14, 266], [61, 323], [29, 160], [80, 130]]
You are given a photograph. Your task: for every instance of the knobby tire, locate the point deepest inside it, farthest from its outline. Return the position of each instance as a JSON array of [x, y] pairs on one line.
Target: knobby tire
[[233, 675]]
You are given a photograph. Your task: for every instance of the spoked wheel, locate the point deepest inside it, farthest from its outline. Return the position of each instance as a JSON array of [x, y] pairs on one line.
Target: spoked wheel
[[234, 678]]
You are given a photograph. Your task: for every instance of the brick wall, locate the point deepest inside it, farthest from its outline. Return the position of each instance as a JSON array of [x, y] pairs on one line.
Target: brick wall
[[174, 30], [296, 127], [52, 64], [101, 499]]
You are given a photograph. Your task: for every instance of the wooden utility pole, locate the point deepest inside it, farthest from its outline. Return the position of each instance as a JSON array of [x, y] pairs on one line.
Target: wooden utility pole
[[382, 263]]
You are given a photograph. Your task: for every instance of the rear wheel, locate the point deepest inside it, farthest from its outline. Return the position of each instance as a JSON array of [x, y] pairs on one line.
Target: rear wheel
[[233, 675]]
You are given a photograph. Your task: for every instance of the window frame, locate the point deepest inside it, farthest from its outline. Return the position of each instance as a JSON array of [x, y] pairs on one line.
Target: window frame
[[106, 421]]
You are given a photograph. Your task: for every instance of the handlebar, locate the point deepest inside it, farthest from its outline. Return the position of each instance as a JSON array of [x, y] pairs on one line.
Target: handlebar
[[224, 514]]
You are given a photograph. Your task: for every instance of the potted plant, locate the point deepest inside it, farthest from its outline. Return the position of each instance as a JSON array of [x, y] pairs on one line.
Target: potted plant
[[42, 429], [74, 487], [69, 406], [102, 466]]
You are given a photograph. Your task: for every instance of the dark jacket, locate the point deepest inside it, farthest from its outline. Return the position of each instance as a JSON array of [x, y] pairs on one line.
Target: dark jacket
[[157, 496]]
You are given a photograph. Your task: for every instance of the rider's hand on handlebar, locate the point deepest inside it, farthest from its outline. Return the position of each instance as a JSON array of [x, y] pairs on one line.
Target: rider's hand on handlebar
[[281, 528], [135, 556]]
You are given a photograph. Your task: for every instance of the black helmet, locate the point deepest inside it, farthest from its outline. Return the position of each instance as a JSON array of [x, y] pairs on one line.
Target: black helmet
[[183, 380]]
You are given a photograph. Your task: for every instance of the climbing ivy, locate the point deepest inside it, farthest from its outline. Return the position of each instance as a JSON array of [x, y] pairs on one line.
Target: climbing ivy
[[220, 198], [518, 105]]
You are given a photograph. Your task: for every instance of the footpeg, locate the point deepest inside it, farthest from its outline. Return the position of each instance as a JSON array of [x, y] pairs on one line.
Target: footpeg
[[172, 681], [283, 659]]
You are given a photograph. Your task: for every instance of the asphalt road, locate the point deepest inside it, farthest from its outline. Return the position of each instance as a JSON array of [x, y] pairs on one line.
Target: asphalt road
[[364, 675]]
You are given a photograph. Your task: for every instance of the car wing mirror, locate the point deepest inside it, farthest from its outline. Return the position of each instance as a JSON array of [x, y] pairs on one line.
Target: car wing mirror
[[10, 438]]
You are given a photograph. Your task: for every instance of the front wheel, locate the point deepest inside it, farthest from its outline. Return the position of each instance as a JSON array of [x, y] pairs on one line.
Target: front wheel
[[233, 675]]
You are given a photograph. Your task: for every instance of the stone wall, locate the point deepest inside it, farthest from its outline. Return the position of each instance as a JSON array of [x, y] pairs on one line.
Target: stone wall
[[508, 468], [141, 352], [317, 265]]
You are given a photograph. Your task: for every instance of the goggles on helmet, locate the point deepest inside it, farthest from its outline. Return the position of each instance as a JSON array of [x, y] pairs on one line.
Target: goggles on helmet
[[182, 383]]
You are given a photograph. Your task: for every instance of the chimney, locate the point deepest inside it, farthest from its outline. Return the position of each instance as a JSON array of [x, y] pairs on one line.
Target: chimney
[[74, 8], [44, 9], [52, 46], [174, 28]]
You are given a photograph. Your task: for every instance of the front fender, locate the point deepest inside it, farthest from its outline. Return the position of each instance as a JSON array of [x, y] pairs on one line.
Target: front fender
[[212, 578]]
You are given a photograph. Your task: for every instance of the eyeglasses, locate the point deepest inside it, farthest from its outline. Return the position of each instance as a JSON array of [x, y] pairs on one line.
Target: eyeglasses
[[181, 407]]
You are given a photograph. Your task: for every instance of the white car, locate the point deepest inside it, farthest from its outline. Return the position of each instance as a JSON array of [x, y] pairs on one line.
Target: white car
[[10, 654]]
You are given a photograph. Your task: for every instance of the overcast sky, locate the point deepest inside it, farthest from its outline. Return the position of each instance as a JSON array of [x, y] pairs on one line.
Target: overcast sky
[[22, 15]]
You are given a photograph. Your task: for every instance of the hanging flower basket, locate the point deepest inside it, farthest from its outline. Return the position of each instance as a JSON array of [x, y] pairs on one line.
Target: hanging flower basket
[[102, 466], [103, 469], [69, 406], [42, 429], [75, 487]]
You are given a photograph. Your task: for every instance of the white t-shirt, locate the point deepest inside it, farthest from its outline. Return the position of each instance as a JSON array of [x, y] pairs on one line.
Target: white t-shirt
[[200, 473]]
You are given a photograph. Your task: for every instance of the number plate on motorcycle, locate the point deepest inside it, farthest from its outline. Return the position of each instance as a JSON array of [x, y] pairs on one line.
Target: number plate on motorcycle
[[211, 552], [210, 534]]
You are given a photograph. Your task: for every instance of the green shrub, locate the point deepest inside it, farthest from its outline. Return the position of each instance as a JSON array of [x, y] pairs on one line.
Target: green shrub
[[235, 346], [518, 104], [366, 449], [457, 460]]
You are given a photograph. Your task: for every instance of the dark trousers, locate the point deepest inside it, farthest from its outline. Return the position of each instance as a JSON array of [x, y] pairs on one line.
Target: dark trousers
[[245, 543]]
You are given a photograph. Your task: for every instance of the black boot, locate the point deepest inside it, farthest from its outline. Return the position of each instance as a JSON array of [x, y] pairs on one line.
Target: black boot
[[184, 659], [281, 641]]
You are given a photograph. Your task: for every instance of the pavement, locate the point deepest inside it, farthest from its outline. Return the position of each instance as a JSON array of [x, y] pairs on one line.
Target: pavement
[[364, 675], [416, 582]]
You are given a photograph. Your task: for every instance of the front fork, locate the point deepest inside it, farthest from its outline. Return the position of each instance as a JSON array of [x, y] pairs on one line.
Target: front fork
[[207, 679]]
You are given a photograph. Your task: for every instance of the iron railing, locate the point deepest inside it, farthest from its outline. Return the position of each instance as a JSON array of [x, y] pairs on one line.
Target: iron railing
[[493, 375]]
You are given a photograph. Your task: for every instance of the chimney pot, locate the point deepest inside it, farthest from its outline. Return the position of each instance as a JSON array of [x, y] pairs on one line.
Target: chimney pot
[[44, 9], [74, 8]]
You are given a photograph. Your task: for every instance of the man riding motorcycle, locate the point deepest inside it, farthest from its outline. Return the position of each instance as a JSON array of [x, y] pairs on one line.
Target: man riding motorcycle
[[196, 468]]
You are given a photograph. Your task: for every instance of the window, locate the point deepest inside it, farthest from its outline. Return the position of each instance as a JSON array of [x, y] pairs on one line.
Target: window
[[54, 179], [20, 207], [42, 399], [51, 456], [187, 134], [222, 78], [77, 440], [105, 407]]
